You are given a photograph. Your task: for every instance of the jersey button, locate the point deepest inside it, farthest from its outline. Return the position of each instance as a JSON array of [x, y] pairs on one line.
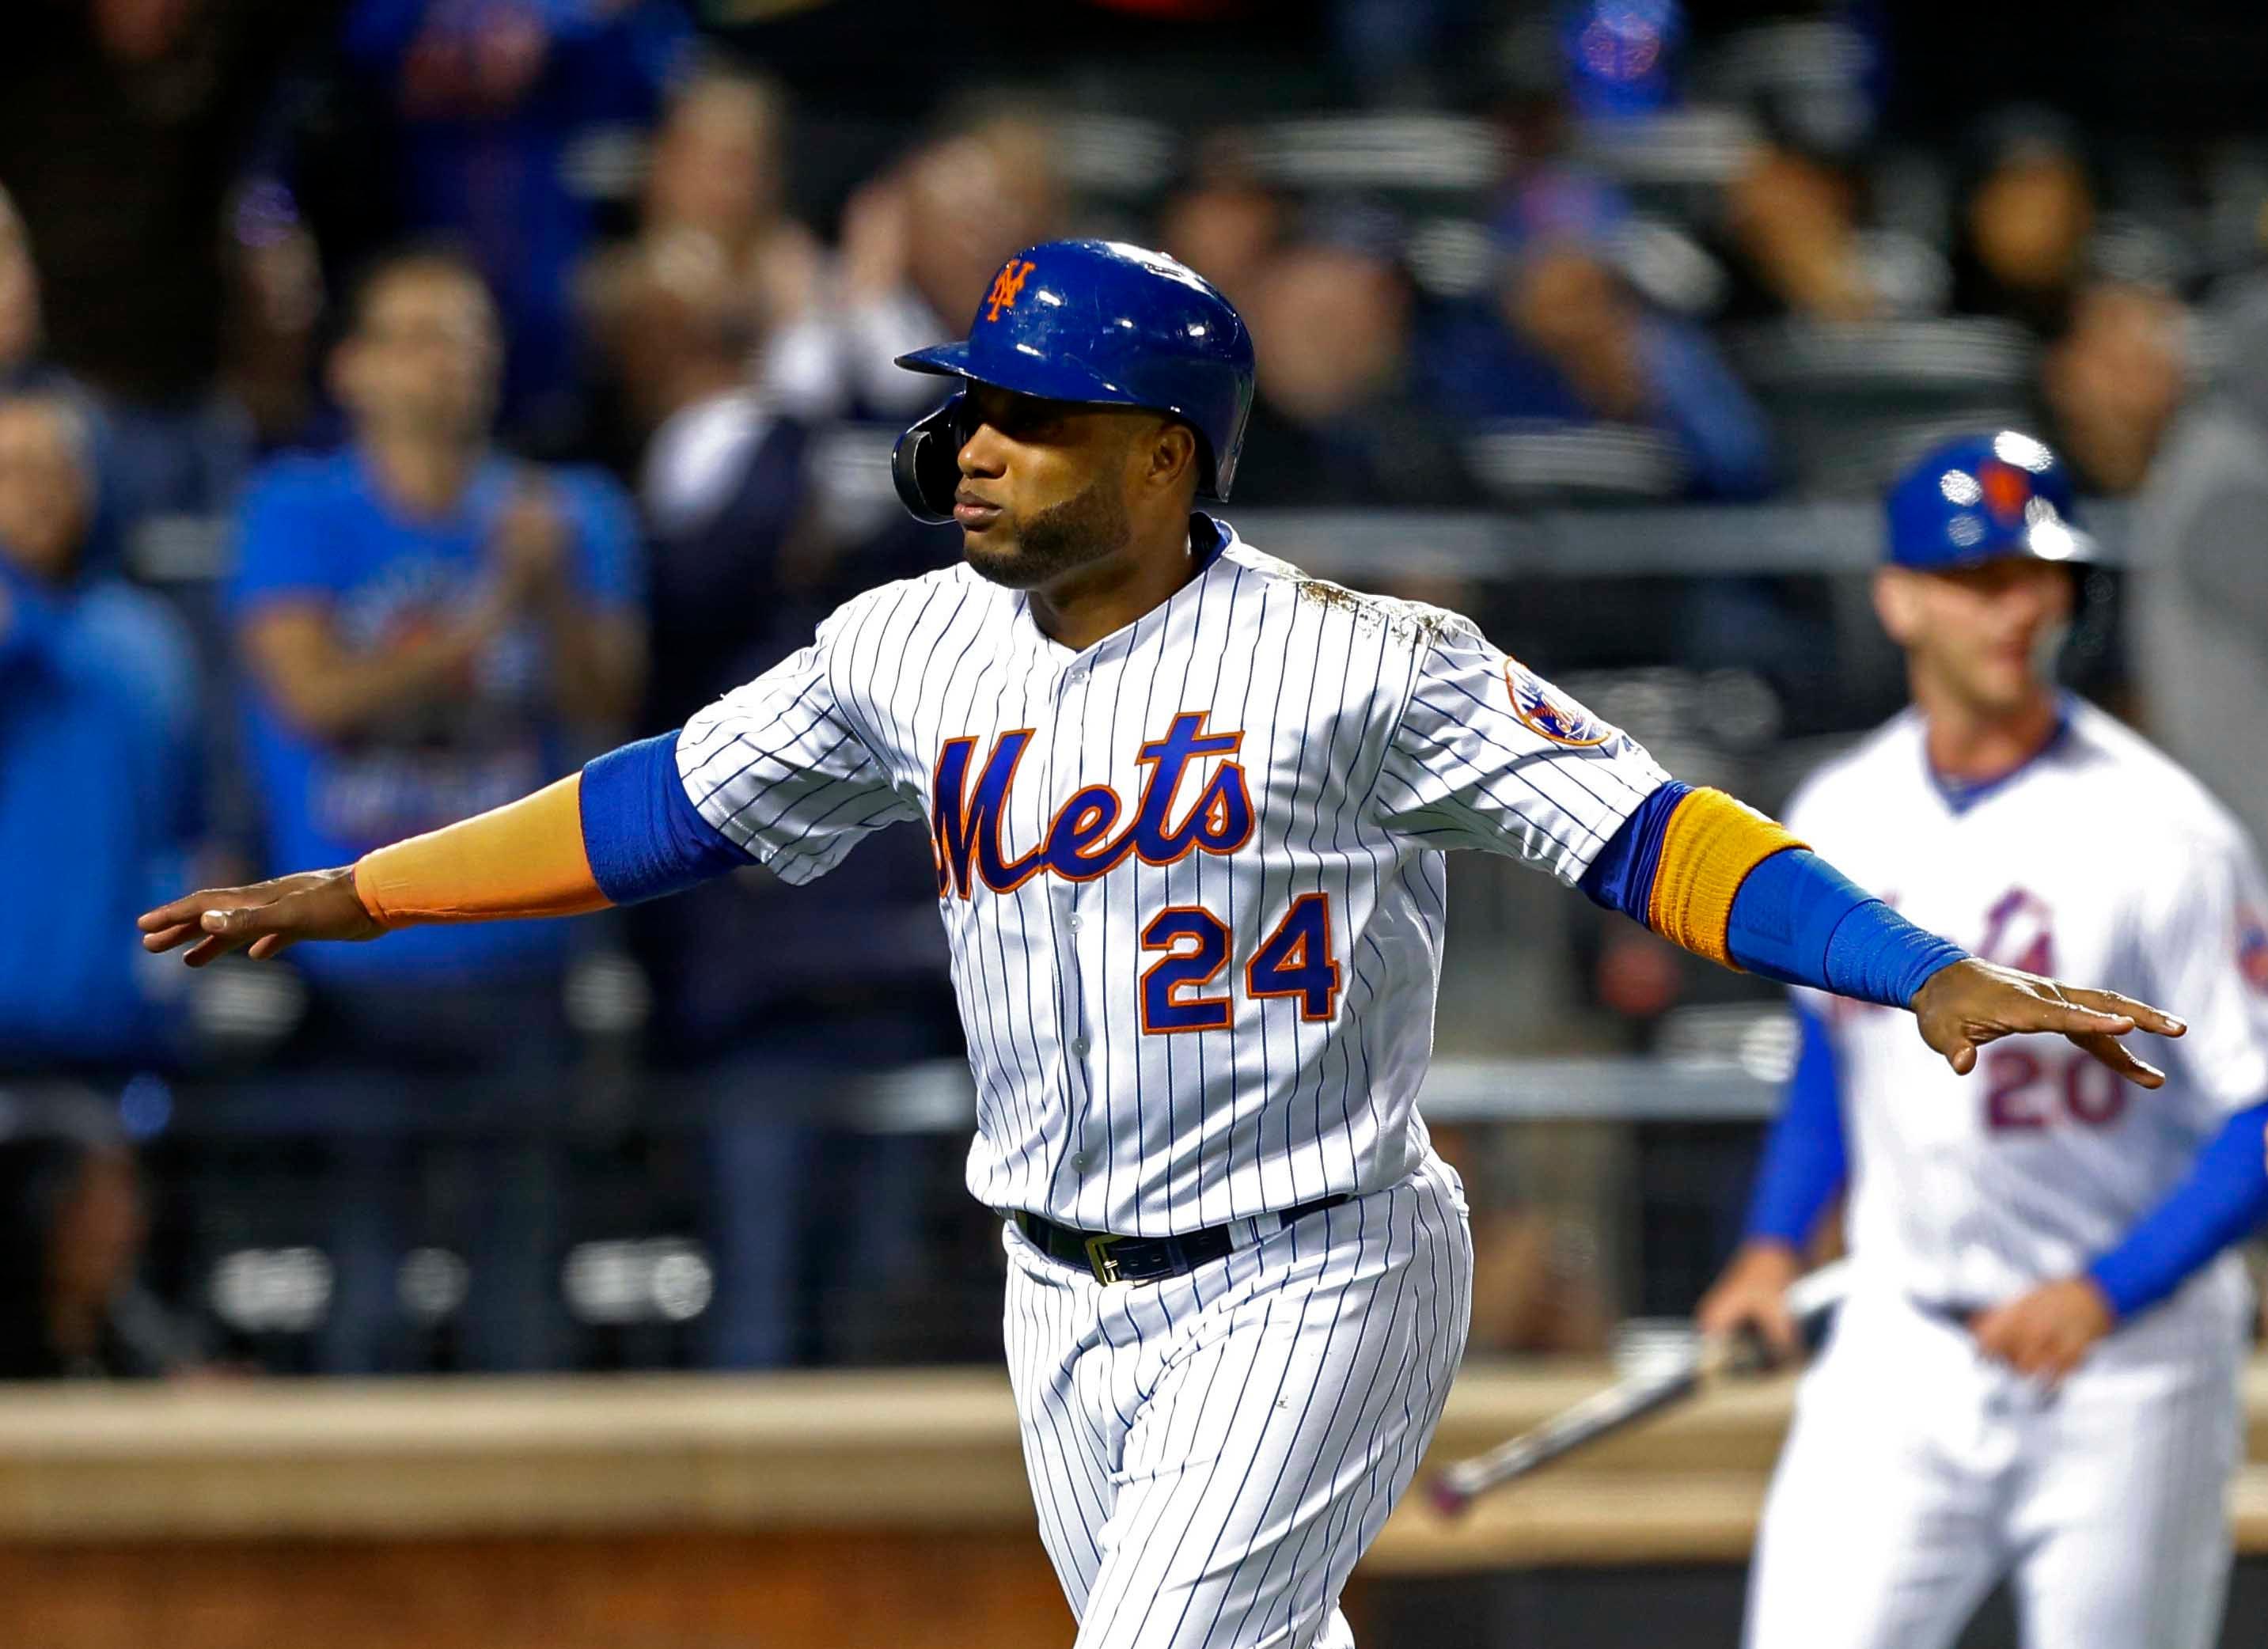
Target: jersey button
[[1078, 1046], [1074, 921]]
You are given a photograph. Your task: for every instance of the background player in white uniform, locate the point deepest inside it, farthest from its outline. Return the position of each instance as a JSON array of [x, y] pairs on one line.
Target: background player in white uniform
[[1188, 807], [2036, 1373]]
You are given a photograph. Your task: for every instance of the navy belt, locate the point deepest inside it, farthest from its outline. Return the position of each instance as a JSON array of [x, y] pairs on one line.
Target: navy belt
[[1144, 1259]]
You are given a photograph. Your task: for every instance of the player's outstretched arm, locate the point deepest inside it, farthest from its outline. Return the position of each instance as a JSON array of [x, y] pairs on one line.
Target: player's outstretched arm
[[1727, 883], [527, 858]]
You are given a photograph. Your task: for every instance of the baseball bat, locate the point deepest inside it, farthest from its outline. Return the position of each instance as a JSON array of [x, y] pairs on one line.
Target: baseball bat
[[1630, 1401]]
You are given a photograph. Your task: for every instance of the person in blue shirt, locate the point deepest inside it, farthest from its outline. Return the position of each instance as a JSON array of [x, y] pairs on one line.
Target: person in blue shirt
[[1561, 342], [428, 626], [490, 99], [99, 765]]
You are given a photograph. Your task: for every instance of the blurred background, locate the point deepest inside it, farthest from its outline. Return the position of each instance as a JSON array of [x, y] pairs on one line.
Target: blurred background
[[402, 401]]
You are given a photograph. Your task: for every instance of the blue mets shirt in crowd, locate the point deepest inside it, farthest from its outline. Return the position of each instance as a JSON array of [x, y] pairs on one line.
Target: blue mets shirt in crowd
[[320, 529], [98, 802]]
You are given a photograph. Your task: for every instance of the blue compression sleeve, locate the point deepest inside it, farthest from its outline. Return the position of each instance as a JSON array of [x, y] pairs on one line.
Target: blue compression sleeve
[[1798, 920], [1622, 877], [642, 832], [2223, 1200], [1806, 1158]]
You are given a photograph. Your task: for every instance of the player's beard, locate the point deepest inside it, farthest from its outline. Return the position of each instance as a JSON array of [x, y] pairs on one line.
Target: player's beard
[[1082, 529]]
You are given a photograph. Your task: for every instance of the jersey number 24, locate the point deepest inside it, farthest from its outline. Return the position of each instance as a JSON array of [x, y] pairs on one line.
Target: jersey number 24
[[1294, 960]]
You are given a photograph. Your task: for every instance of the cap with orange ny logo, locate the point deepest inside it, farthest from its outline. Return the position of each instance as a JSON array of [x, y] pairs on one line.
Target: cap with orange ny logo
[[1005, 286], [2006, 490]]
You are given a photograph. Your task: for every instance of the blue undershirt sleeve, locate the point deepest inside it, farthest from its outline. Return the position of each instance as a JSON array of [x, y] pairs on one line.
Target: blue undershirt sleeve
[[1800, 921], [1806, 1158], [2223, 1200], [1622, 877], [643, 834]]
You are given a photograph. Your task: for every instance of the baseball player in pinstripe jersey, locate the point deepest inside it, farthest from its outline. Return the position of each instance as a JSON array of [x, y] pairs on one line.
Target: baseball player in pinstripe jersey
[[1189, 807], [2035, 1374]]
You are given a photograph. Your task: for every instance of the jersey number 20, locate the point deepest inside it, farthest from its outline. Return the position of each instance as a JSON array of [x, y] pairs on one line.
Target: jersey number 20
[[2024, 1093], [1294, 960]]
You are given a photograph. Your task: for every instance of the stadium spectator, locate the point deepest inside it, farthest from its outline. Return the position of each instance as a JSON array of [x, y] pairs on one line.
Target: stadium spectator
[[99, 780], [1224, 222], [1565, 344], [274, 307], [489, 101], [2200, 588], [767, 996], [721, 478], [2027, 217], [76, 1222], [22, 332], [919, 246], [426, 625], [1794, 218], [1336, 421], [124, 127], [717, 168], [2114, 379]]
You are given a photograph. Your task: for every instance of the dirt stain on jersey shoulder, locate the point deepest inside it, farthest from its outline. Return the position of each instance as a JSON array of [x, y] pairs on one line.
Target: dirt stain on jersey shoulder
[[1405, 620]]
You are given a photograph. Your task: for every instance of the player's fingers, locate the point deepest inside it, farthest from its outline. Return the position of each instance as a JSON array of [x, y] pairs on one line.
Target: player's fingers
[[2156, 1020], [2002, 1334], [210, 948], [2053, 1014], [247, 923], [269, 944], [2112, 1052], [1961, 1057], [160, 940], [175, 913], [189, 908], [1777, 1324], [1723, 1310]]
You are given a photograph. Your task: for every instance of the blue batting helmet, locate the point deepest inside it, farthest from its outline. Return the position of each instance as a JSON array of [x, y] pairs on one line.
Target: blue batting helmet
[[1982, 498], [1097, 322]]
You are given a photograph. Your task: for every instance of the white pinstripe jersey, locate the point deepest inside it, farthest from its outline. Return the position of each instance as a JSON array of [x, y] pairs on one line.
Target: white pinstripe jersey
[[1192, 876], [2100, 860]]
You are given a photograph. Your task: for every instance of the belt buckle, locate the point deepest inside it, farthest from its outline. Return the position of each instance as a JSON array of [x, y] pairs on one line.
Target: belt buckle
[[1099, 1260]]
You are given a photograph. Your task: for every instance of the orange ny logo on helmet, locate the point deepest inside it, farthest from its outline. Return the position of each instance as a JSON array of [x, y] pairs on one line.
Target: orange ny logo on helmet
[[1005, 285]]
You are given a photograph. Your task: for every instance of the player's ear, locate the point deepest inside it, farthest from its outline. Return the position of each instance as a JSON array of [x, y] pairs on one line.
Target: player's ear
[[1171, 454], [1895, 604]]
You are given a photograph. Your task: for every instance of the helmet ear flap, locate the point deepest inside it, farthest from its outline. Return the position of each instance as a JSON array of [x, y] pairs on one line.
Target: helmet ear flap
[[925, 464]]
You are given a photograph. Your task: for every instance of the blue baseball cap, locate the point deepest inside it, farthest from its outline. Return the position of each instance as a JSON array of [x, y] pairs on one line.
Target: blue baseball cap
[[1983, 498]]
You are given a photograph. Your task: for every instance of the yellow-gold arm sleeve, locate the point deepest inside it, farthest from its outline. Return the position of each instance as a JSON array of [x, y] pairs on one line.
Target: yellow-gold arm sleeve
[[525, 859], [1710, 845]]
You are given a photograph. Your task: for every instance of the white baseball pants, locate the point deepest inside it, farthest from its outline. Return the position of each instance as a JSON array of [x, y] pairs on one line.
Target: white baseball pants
[[1918, 1473], [1210, 1453]]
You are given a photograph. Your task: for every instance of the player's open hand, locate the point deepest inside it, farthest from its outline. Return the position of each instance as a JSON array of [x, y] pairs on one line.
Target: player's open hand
[[1752, 1294], [262, 920], [2045, 1334], [1972, 1002]]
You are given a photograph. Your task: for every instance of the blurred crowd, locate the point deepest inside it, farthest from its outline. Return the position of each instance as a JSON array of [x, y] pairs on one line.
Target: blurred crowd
[[402, 399]]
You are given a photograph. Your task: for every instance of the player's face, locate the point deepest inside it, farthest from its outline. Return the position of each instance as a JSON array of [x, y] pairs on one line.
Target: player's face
[[1046, 486], [1988, 634]]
